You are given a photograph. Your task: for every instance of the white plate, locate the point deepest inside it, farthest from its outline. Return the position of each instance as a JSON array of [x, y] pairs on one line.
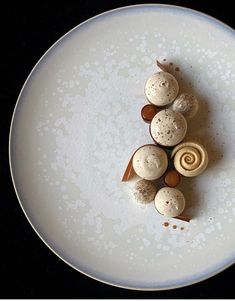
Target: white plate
[[76, 123]]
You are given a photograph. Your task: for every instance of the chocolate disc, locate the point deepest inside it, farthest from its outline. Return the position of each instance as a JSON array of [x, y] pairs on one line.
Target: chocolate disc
[[148, 112]]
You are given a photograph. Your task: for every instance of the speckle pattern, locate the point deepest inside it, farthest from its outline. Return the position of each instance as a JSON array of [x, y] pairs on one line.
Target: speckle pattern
[[168, 128], [144, 191], [77, 122], [161, 88]]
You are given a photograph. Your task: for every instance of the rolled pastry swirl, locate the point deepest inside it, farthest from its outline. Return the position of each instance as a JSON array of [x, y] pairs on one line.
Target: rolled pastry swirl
[[190, 158]]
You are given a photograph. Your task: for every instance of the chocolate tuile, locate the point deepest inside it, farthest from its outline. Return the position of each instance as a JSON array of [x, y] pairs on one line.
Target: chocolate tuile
[[183, 218], [161, 66], [129, 171]]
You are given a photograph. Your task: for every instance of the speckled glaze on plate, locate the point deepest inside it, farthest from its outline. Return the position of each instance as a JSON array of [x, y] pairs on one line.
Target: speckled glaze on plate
[[77, 122]]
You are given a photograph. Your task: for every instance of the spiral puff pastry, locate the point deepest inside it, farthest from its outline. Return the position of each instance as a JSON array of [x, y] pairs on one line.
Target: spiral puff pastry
[[190, 158]]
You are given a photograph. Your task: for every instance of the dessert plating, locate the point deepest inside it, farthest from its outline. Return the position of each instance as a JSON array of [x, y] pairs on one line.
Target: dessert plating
[[168, 114]]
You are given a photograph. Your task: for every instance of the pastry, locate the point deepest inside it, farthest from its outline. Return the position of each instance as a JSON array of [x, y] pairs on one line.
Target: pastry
[[169, 202], [150, 162], [190, 158], [168, 128], [161, 88]]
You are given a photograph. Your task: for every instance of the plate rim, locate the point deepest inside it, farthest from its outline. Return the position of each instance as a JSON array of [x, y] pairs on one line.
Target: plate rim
[[197, 13]]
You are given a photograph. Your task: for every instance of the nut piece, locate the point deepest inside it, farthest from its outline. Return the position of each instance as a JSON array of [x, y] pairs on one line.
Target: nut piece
[[172, 178], [150, 162], [161, 88], [169, 202], [186, 104], [144, 191], [168, 128]]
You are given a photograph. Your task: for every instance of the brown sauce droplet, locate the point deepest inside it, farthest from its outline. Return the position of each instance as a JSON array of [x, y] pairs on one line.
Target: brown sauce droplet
[[181, 228], [174, 226], [165, 224]]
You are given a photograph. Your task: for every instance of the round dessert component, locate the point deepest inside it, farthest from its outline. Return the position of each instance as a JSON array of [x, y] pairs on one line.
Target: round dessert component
[[148, 112], [168, 127], [161, 88], [169, 201], [144, 191], [190, 158], [186, 104], [172, 178], [150, 162]]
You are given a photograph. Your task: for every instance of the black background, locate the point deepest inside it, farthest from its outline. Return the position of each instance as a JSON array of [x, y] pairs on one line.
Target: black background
[[28, 268]]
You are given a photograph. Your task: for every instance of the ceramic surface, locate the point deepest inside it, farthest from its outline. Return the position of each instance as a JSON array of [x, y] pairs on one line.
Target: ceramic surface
[[77, 122]]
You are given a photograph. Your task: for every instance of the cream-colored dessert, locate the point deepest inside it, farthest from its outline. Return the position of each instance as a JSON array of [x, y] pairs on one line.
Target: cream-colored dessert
[[161, 88], [190, 158], [169, 201], [144, 191], [168, 127], [150, 162], [186, 104]]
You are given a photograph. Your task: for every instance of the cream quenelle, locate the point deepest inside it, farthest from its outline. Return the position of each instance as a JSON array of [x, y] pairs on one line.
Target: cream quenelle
[[168, 127], [169, 202], [161, 88], [150, 162]]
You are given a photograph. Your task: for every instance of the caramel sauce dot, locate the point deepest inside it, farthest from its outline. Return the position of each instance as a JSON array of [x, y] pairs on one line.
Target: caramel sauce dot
[[165, 224], [148, 112], [172, 178]]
